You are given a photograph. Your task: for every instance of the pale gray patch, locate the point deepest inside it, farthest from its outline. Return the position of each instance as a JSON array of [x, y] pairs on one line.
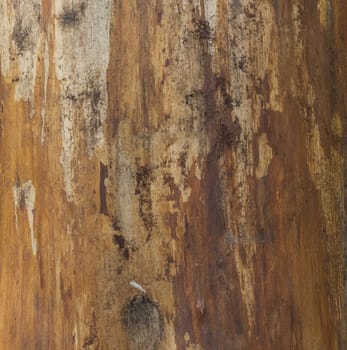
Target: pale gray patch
[[20, 31], [81, 59]]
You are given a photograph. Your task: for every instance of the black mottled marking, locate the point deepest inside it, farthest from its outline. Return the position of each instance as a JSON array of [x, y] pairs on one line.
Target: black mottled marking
[[93, 98], [116, 224], [69, 17], [72, 17], [189, 98], [126, 253], [22, 33], [203, 30], [102, 188], [222, 85], [143, 322], [227, 137], [239, 63], [21, 36], [250, 11], [182, 160], [72, 97], [119, 240], [144, 178]]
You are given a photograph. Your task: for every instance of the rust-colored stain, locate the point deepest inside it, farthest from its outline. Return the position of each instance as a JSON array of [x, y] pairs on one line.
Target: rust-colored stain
[[195, 147]]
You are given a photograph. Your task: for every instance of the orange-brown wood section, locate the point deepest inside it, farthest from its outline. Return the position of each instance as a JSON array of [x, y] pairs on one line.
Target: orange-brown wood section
[[172, 174]]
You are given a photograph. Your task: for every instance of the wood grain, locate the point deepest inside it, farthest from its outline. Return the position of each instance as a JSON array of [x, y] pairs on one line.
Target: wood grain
[[195, 148]]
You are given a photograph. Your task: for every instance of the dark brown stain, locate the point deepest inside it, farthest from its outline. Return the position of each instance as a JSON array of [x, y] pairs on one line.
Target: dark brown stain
[[144, 178], [92, 95], [22, 200], [297, 260], [102, 188], [202, 28], [147, 80], [227, 137], [182, 159], [194, 100], [95, 97], [119, 240], [92, 339], [115, 224], [66, 295], [159, 10], [200, 285]]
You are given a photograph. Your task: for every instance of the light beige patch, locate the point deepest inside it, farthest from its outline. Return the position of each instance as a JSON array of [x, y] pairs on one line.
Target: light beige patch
[[246, 278], [20, 31], [336, 125], [46, 72], [323, 7], [265, 156], [26, 193], [81, 59], [189, 345]]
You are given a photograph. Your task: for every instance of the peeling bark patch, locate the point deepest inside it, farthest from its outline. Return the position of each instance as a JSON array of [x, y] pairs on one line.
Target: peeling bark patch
[[143, 322], [24, 195]]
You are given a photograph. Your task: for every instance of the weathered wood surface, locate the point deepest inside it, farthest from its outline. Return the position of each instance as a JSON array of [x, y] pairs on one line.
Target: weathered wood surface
[[194, 147]]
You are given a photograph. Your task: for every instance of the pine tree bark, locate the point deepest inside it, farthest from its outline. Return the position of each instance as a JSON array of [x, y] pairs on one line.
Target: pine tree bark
[[172, 174]]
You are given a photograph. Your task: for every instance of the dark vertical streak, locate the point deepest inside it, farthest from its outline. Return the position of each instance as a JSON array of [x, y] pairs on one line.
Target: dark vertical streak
[[102, 188]]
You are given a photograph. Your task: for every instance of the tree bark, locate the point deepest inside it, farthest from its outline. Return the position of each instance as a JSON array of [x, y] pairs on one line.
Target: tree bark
[[172, 174]]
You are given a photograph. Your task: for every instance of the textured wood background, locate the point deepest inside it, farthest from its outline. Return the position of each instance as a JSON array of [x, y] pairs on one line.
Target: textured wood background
[[194, 147]]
